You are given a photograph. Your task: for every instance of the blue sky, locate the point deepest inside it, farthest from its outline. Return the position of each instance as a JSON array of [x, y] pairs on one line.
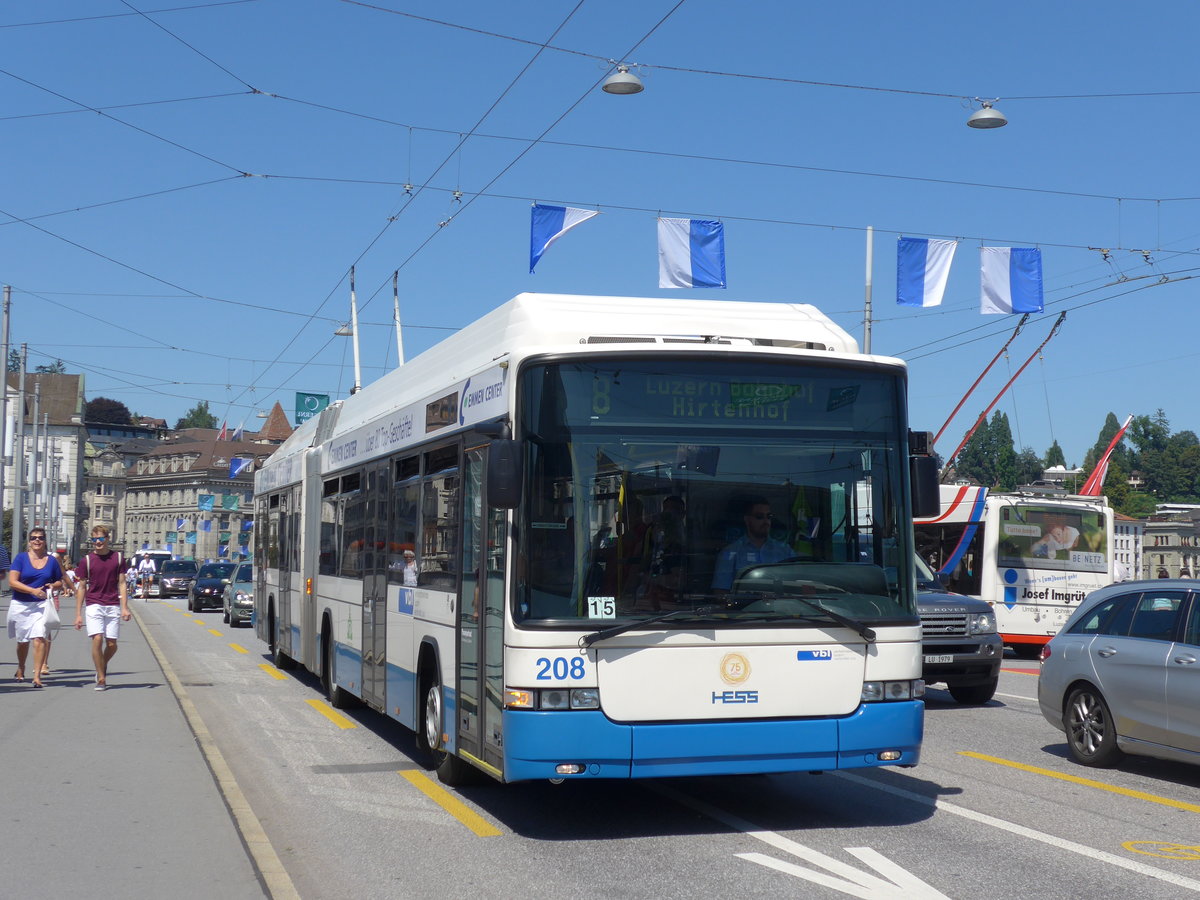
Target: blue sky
[[196, 246]]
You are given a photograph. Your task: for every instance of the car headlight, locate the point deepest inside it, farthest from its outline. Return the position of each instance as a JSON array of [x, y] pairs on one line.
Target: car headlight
[[982, 623]]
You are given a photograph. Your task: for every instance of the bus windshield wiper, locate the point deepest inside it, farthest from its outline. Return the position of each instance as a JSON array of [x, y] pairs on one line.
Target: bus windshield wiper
[[867, 633], [700, 612]]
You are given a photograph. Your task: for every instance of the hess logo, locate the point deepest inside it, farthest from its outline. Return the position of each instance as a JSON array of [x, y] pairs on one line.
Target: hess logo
[[735, 696]]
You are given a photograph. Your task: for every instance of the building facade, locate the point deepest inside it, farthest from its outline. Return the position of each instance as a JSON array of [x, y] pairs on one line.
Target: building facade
[[193, 496], [44, 450]]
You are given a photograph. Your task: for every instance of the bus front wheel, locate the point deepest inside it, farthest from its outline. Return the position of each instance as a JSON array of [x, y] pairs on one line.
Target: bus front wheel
[[450, 769]]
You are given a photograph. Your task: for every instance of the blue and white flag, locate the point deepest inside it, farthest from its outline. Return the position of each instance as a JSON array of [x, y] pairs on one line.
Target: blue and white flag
[[1010, 280], [922, 268], [237, 465], [548, 224], [691, 253]]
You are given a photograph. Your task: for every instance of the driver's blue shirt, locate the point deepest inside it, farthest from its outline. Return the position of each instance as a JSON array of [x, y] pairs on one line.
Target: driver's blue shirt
[[742, 554]]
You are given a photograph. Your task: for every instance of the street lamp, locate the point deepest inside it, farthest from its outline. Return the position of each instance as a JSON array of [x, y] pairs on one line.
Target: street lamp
[[987, 116], [622, 81]]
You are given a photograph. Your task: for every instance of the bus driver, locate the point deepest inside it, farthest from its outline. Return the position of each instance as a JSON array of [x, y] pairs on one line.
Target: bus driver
[[752, 549]]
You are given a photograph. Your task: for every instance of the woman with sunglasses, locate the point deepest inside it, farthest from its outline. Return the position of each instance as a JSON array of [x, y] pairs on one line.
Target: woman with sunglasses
[[31, 577]]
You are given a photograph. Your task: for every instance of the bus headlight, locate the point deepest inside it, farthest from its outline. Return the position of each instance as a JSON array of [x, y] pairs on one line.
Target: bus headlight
[[885, 691], [552, 698], [982, 623]]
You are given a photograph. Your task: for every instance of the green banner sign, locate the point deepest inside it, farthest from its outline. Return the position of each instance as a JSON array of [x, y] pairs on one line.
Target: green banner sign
[[308, 405]]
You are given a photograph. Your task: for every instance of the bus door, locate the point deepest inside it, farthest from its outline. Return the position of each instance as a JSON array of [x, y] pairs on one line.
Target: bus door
[[481, 618], [375, 583], [280, 518]]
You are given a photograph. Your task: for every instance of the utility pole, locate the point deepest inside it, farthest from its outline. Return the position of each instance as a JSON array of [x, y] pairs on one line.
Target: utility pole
[[18, 529], [4, 405], [34, 480]]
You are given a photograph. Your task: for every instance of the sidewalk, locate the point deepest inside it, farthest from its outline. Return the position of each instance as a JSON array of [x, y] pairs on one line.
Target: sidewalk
[[107, 794]]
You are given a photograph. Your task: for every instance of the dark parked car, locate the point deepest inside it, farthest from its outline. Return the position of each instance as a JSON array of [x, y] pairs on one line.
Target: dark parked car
[[209, 587], [175, 577], [239, 596], [959, 641], [1123, 674]]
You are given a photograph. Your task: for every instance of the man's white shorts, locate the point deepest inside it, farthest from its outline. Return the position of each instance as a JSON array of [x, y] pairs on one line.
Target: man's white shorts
[[101, 619]]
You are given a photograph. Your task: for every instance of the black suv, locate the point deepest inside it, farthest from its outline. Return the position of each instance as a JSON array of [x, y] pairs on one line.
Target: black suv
[[959, 641], [209, 589], [175, 577]]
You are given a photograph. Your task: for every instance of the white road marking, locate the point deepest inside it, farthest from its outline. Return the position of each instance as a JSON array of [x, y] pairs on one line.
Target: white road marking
[[1030, 833], [855, 882], [1016, 696]]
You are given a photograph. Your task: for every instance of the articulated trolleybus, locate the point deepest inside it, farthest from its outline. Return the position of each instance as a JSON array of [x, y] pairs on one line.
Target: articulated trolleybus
[[1031, 555], [604, 537]]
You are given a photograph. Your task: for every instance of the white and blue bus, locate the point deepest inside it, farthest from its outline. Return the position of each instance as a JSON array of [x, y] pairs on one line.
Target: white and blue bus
[[1031, 554], [606, 537]]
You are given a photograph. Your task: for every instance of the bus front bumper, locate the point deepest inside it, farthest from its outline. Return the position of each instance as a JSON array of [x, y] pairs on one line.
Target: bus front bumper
[[537, 743]]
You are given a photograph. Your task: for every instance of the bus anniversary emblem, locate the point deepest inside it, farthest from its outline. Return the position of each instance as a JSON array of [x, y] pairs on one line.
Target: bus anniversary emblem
[[735, 668]]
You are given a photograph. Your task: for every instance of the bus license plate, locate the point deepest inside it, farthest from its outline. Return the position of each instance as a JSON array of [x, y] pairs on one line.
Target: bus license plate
[[945, 658]]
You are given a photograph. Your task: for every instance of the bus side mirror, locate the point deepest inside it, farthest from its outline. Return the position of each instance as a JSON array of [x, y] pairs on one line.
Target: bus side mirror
[[504, 473], [926, 488]]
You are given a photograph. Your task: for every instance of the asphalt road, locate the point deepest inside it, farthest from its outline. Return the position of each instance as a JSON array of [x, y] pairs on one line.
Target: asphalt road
[[994, 807]]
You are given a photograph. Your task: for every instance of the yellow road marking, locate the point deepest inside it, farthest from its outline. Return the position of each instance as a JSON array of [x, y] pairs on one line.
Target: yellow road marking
[[214, 631], [447, 801], [272, 671], [198, 621], [238, 647], [331, 714], [1020, 671], [1164, 850], [1087, 782]]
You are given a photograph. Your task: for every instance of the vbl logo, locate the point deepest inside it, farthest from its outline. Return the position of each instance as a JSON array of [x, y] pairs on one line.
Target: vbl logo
[[735, 697]]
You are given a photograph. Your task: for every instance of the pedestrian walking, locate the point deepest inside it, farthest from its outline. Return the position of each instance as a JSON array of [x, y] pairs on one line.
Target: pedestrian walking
[[102, 589], [32, 576], [64, 588]]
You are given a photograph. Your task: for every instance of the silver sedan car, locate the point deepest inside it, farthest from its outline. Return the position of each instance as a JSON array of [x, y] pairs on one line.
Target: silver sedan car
[[1123, 675]]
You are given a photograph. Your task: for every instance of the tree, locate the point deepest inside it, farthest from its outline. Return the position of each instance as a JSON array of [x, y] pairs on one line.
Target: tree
[[104, 410], [1029, 466], [1000, 441], [198, 417], [14, 360], [1055, 456], [58, 367]]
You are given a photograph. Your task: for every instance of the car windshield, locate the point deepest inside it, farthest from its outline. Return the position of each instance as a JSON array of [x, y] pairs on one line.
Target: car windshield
[[245, 572], [179, 567], [216, 570]]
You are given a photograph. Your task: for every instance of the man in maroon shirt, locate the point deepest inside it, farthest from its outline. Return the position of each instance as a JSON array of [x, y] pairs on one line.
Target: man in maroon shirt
[[102, 585]]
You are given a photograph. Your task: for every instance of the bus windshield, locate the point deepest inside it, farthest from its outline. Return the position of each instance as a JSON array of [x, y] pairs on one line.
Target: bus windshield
[[714, 486]]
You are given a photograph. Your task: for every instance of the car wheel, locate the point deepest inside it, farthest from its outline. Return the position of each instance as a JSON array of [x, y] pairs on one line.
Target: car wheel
[[1091, 732], [225, 615], [975, 694]]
